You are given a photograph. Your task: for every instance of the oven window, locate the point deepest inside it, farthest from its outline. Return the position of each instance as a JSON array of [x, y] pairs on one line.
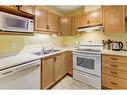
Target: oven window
[[85, 63]]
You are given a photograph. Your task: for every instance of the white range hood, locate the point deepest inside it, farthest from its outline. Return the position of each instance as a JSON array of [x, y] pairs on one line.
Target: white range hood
[[90, 28]]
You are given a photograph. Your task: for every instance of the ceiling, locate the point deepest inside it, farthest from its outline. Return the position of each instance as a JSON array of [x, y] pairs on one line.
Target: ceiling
[[65, 8]]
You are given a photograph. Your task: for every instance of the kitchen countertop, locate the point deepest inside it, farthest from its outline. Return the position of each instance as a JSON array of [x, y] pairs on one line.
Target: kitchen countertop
[[17, 59], [29, 56], [111, 52], [22, 58]]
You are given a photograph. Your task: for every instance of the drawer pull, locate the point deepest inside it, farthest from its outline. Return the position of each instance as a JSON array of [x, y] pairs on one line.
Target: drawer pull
[[114, 58], [113, 83], [113, 65], [113, 72]]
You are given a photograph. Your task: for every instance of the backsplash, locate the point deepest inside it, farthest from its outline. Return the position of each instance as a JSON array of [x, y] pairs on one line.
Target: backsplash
[[16, 43], [20, 42], [95, 36]]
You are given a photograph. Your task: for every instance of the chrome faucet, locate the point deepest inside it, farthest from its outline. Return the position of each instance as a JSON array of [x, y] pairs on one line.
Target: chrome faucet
[[43, 50], [52, 49]]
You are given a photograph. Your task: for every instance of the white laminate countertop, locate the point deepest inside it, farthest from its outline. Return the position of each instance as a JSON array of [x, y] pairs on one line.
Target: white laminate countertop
[[111, 52], [29, 56], [6, 62], [17, 59]]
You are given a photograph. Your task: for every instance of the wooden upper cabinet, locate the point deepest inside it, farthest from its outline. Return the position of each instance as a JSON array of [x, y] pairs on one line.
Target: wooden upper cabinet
[[114, 18], [57, 24], [12, 7], [41, 19], [46, 21], [95, 17], [65, 26], [83, 19], [51, 22], [74, 23], [126, 11], [28, 9]]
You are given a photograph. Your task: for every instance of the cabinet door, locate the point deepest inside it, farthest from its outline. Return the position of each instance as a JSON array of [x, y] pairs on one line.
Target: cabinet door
[[74, 25], [126, 11], [28, 9], [59, 66], [83, 19], [114, 18], [95, 17], [66, 26], [63, 64], [69, 62], [47, 72], [41, 19], [51, 22], [57, 24]]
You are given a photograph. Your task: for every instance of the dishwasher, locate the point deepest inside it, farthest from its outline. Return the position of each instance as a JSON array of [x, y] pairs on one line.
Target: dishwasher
[[22, 76]]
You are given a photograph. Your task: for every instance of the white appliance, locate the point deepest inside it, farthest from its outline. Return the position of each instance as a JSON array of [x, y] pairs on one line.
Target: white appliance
[[14, 23], [21, 76], [87, 65]]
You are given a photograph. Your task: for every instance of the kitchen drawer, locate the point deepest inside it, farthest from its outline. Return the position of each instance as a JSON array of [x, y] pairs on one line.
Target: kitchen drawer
[[114, 65], [115, 72], [114, 58], [87, 79], [113, 82]]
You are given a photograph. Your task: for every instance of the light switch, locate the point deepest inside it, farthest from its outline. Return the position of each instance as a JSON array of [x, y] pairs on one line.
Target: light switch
[[13, 44]]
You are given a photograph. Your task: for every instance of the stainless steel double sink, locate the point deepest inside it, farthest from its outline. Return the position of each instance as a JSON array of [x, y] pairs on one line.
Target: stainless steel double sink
[[46, 52]]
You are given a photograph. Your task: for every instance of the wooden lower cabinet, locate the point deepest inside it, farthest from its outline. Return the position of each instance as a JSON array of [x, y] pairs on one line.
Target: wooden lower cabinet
[[114, 73], [47, 72], [59, 66], [114, 82], [69, 62], [53, 68]]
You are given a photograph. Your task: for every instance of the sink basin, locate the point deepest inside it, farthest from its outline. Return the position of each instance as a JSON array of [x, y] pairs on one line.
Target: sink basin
[[39, 53], [51, 51], [46, 52]]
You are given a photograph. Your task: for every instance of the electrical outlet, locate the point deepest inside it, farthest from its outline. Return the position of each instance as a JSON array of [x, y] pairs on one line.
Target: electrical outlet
[[13, 44]]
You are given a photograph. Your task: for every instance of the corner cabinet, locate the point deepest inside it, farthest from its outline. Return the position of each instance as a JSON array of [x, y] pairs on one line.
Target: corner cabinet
[[114, 18], [65, 26]]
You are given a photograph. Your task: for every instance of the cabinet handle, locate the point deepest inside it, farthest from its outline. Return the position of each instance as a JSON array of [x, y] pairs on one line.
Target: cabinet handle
[[114, 58], [113, 65], [54, 58], [113, 72], [113, 83], [47, 26]]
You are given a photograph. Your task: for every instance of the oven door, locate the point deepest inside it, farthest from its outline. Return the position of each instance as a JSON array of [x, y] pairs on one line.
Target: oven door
[[89, 63]]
